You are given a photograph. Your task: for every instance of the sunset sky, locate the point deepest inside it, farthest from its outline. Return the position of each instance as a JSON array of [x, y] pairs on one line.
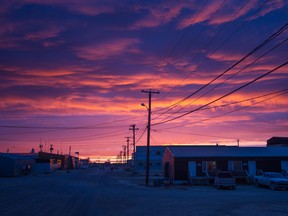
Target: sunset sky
[[72, 73]]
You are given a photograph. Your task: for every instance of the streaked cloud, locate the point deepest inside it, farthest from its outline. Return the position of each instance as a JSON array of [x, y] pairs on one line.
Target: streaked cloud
[[107, 49], [85, 63]]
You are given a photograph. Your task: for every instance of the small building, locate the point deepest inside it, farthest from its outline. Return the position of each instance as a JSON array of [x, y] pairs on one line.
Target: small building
[[12, 165], [58, 161], [277, 141], [181, 163], [156, 154]]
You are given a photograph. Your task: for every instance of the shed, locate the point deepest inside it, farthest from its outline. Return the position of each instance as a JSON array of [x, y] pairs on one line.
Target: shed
[[15, 165], [179, 164]]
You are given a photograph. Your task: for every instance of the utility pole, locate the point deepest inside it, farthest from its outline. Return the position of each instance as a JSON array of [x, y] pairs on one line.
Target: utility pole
[[124, 152], [127, 148], [149, 92], [133, 128], [51, 149], [121, 156]]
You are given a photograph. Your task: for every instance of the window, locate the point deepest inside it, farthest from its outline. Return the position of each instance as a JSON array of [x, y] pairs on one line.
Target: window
[[158, 152], [140, 164], [209, 166], [234, 165]]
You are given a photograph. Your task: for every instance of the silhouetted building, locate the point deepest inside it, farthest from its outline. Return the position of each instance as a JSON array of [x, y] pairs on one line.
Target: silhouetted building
[[277, 141], [12, 165]]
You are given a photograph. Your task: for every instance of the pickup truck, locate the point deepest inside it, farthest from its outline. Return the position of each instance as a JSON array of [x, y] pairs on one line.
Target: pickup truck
[[225, 180], [273, 180]]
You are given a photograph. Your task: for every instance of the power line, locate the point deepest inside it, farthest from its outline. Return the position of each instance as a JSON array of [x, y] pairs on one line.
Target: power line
[[238, 62], [234, 74], [240, 108], [237, 89], [143, 132], [231, 35], [279, 93], [195, 134], [270, 38], [213, 16], [245, 100]]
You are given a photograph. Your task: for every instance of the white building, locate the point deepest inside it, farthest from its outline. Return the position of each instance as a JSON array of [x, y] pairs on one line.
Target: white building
[[156, 155]]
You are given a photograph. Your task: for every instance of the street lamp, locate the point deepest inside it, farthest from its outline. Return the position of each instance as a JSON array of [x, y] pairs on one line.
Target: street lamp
[[142, 104]]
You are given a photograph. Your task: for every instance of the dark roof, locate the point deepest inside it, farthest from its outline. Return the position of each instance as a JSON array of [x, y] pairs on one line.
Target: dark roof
[[186, 152], [17, 156], [277, 141]]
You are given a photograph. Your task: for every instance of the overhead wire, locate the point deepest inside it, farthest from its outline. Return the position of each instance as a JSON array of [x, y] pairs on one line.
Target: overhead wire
[[225, 95], [278, 93], [140, 137], [266, 41], [231, 76], [245, 100], [240, 108], [230, 36]]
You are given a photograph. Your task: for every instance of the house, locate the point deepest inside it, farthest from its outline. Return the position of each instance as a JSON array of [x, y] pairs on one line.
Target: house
[[155, 159], [12, 165], [182, 163]]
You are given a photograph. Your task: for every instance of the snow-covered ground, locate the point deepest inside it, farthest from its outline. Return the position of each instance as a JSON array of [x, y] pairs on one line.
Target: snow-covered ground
[[98, 192]]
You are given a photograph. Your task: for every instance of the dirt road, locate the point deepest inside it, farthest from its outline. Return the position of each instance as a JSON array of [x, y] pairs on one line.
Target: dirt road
[[96, 192]]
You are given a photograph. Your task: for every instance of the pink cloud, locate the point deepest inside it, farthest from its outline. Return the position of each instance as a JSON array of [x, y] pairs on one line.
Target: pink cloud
[[230, 12], [52, 44], [45, 33], [198, 17], [159, 14], [270, 6], [13, 33], [87, 7], [108, 49], [224, 56]]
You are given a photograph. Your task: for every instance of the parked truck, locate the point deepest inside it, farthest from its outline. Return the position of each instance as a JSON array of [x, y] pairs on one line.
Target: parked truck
[[273, 180], [224, 179]]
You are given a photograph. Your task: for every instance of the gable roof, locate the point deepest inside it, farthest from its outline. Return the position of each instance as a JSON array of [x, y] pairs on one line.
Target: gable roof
[[225, 151]]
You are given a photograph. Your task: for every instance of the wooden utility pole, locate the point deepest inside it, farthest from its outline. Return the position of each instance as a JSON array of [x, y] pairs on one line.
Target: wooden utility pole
[[124, 152], [149, 92], [127, 148], [133, 128]]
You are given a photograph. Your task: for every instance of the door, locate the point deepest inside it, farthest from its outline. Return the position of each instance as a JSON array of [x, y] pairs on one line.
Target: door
[[252, 168], [284, 168], [192, 168], [284, 165]]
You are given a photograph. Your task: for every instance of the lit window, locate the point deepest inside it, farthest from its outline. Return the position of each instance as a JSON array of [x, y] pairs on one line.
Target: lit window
[[209, 166]]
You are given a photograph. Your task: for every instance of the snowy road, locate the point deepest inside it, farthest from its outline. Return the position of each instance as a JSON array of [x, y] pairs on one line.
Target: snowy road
[[96, 192]]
